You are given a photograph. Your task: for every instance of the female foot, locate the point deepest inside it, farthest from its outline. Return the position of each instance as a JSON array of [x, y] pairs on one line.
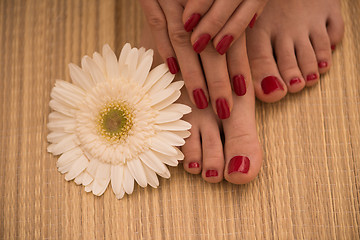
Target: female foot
[[291, 44], [239, 159]]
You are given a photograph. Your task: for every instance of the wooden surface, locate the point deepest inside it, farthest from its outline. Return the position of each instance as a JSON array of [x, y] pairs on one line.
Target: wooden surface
[[308, 187]]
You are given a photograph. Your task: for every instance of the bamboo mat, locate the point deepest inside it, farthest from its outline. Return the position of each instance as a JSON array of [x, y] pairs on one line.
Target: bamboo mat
[[308, 187]]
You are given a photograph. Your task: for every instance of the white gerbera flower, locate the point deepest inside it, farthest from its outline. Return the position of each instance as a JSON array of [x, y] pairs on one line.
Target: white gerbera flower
[[118, 122]]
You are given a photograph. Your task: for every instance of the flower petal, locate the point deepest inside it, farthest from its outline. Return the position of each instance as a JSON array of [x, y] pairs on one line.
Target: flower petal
[[137, 171], [143, 70], [165, 174], [112, 66], [64, 145], [121, 194], [117, 174], [183, 134], [160, 96], [57, 106], [171, 138], [176, 85], [131, 62], [160, 146], [56, 137], [178, 107], [167, 116], [79, 165], [66, 126], [69, 157], [180, 155], [128, 181], [179, 125], [101, 180], [100, 62], [153, 162], [87, 179], [124, 53], [91, 67], [151, 177], [163, 82], [80, 78], [172, 98], [155, 75], [169, 160]]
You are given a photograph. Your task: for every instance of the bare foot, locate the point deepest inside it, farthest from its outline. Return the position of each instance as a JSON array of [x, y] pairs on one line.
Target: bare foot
[[301, 35], [239, 159]]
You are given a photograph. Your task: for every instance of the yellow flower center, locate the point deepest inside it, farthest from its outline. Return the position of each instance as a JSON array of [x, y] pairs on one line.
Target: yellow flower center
[[115, 121]]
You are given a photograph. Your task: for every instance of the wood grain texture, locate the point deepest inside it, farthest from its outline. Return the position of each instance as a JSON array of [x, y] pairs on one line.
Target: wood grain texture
[[308, 187]]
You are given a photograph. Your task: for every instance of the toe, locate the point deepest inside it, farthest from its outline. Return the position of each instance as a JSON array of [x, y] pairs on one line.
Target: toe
[[213, 157], [322, 48], [287, 64], [307, 60], [269, 87], [335, 28]]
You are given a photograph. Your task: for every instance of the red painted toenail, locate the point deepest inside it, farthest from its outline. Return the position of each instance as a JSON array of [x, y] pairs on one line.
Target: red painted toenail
[[253, 20], [192, 22], [239, 85], [295, 81], [173, 65], [333, 47], [222, 108], [271, 84], [194, 165], [211, 173], [322, 64], [201, 43], [239, 164], [312, 77], [224, 44], [200, 98]]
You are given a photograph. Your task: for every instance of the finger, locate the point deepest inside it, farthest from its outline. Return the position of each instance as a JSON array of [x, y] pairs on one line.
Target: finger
[[212, 22], [193, 11], [188, 60], [157, 22], [217, 78], [244, 16]]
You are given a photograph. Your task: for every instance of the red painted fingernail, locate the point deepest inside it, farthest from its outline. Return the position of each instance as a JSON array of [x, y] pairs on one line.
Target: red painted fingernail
[[173, 65], [311, 77], [224, 44], [211, 173], [333, 47], [239, 85], [253, 20], [239, 164], [192, 22], [194, 165], [271, 84], [222, 108], [322, 64], [201, 43], [295, 80], [200, 98]]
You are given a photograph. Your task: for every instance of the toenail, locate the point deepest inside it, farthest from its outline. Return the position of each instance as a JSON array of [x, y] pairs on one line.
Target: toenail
[[222, 108], [239, 85], [295, 81], [312, 77], [239, 164], [192, 22], [333, 47], [173, 65], [270, 84], [211, 173], [322, 64], [253, 20], [200, 98], [194, 165], [224, 44], [201, 43]]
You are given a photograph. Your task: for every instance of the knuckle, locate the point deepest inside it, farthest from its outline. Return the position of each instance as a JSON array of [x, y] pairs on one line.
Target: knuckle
[[216, 22], [179, 37], [221, 84], [156, 21]]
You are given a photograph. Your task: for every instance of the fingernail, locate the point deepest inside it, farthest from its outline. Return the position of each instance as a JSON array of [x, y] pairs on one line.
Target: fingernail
[[200, 98], [201, 43], [295, 80], [333, 47], [322, 64], [253, 20], [173, 65], [224, 44], [192, 22], [211, 173], [239, 85], [271, 84], [311, 77], [194, 165], [222, 108], [239, 164]]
